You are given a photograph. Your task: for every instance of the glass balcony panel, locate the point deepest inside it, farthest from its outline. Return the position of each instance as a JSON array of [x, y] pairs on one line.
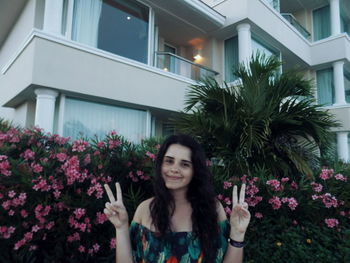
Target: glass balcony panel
[[291, 19], [181, 66]]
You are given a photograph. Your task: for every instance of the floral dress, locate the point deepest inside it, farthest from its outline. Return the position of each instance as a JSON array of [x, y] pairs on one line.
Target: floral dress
[[174, 247]]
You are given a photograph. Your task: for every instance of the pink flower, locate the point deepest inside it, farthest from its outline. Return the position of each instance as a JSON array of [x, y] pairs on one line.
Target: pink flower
[[4, 166], [50, 225], [151, 155], [316, 187], [227, 201], [37, 168], [275, 202], [100, 144], [33, 247], [329, 200], [284, 179], [251, 190], [112, 243], [28, 236], [275, 184], [35, 228], [220, 197], [244, 178], [258, 215], [341, 177], [24, 213], [331, 222], [253, 200], [79, 212], [96, 247], [81, 249], [11, 212], [227, 185], [294, 185], [61, 157], [79, 146], [11, 194], [227, 210], [100, 218], [6, 232], [294, 222], [87, 159], [292, 203], [113, 144], [19, 244], [326, 174], [28, 155]]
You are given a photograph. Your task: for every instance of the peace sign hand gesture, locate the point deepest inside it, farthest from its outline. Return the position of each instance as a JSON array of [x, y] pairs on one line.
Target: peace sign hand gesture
[[115, 209], [240, 216]]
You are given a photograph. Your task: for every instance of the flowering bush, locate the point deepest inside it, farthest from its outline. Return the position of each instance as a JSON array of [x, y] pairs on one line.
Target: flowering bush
[[51, 193], [51, 201], [295, 221]]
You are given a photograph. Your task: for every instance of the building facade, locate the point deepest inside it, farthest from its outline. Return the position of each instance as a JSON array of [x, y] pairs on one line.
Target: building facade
[[87, 67]]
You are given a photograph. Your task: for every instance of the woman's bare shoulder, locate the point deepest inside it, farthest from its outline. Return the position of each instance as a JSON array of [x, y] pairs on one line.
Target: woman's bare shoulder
[[142, 213]]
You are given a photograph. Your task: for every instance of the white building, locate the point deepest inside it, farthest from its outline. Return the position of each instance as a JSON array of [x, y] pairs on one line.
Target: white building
[[91, 66]]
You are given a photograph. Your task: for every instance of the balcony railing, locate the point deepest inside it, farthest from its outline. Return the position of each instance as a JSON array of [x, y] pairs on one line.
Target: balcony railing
[[291, 19], [181, 66]]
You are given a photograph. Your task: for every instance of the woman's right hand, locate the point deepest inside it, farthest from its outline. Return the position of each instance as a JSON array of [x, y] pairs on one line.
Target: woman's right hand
[[115, 209]]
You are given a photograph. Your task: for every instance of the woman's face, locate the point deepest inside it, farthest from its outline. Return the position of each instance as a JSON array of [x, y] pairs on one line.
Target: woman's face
[[177, 167]]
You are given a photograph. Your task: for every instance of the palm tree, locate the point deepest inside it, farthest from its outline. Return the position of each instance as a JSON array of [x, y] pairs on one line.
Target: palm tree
[[269, 120]]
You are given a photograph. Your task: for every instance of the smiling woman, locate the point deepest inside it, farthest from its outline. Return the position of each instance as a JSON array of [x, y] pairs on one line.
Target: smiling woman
[[183, 222]]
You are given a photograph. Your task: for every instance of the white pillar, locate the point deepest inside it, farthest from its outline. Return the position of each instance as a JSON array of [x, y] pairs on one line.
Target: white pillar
[[53, 16], [45, 108], [335, 17], [244, 43], [342, 146], [338, 75]]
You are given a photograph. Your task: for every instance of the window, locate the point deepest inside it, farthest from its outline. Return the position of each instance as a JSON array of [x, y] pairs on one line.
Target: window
[[232, 55], [231, 58], [274, 3], [321, 23], [170, 61], [84, 118], [325, 86], [117, 26], [347, 86]]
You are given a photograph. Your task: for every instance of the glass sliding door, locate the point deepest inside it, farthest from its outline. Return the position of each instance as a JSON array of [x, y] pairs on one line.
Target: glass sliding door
[[321, 23], [116, 26], [231, 58], [85, 118], [325, 86]]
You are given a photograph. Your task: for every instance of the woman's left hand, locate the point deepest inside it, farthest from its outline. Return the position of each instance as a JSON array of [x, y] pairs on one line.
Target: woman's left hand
[[240, 216]]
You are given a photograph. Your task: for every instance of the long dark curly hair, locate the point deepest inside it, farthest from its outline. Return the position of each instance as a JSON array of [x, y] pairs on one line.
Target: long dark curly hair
[[200, 194]]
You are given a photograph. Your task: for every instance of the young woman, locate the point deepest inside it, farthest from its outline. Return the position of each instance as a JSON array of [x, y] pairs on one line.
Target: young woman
[[183, 222]]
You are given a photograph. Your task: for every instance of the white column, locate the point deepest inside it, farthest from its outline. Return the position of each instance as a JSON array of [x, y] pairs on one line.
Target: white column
[[53, 16], [335, 17], [148, 124], [342, 146], [61, 109], [244, 43], [338, 75], [45, 108]]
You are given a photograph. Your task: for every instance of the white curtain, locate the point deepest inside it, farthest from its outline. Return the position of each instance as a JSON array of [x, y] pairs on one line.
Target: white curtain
[[325, 90], [89, 119], [86, 21], [257, 47]]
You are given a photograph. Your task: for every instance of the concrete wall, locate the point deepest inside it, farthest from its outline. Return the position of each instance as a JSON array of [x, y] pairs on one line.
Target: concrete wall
[[73, 70], [20, 75]]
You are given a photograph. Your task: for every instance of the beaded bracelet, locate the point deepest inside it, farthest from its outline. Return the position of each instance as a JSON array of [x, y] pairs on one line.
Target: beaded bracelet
[[236, 243]]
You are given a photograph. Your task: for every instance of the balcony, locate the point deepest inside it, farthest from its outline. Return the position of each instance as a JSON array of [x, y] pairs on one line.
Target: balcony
[[181, 66], [291, 19]]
